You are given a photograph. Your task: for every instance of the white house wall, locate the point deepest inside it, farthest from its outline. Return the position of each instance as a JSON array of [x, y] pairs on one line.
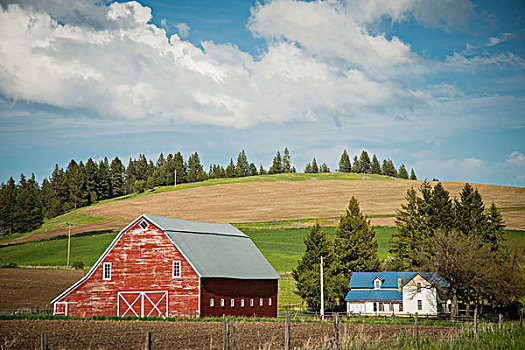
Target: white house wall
[[427, 296]]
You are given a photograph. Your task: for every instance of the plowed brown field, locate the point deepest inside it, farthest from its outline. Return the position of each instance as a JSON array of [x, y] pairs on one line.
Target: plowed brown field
[[291, 200], [75, 334]]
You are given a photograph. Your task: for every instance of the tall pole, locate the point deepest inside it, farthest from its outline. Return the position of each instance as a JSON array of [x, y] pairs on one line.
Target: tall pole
[[322, 294], [68, 242], [175, 180]]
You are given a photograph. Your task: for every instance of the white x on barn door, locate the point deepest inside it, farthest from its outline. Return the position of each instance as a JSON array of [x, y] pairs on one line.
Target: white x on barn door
[[142, 304]]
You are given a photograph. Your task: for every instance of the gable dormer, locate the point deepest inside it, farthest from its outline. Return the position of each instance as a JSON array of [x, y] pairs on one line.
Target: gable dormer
[[377, 283]]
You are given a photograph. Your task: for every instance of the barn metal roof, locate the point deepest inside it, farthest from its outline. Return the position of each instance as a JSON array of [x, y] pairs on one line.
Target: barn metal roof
[[373, 295], [216, 250]]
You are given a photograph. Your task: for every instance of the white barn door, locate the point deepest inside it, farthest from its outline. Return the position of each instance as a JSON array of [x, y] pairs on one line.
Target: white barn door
[[142, 303]]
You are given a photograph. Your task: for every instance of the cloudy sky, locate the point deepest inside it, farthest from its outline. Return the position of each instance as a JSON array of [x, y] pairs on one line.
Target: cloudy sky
[[436, 84]]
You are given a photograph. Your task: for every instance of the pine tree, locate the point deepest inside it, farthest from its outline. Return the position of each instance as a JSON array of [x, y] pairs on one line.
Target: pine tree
[[376, 167], [262, 171], [495, 236], [76, 185], [413, 175], [28, 213], [388, 168], [315, 167], [470, 218], [403, 173], [104, 180], [356, 166], [7, 206], [364, 161], [230, 170], [277, 165], [116, 176], [324, 168], [307, 272], [252, 170], [344, 163], [242, 165], [195, 170], [308, 168], [287, 161], [180, 166], [60, 192], [355, 243]]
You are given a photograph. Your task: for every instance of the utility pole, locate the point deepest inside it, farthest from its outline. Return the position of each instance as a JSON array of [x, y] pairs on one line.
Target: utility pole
[[68, 242], [175, 180], [322, 294]]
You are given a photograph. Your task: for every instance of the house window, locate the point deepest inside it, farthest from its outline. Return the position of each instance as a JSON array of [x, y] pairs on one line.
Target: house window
[[212, 302], [377, 284], [251, 302], [418, 285], [381, 307], [222, 302], [269, 301], [419, 305], [232, 303], [242, 302], [107, 271], [176, 269], [144, 224], [261, 302], [400, 307]]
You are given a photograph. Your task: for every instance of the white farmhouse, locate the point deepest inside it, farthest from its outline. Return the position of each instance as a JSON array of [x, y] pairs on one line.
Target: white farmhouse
[[399, 293]]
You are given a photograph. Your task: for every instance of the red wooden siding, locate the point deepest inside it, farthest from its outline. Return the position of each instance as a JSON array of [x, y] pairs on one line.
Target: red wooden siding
[[141, 261], [228, 289]]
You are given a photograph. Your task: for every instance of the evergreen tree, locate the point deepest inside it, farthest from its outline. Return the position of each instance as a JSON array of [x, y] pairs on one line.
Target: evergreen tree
[[356, 166], [195, 170], [315, 167], [388, 168], [60, 192], [413, 175], [470, 218], [7, 206], [403, 173], [262, 171], [355, 243], [307, 272], [230, 170], [364, 161], [104, 180], [308, 168], [277, 165], [116, 176], [287, 161], [324, 168], [376, 167], [344, 163], [92, 180], [179, 165], [495, 236], [252, 170], [28, 213], [76, 185], [160, 172], [293, 170], [242, 165]]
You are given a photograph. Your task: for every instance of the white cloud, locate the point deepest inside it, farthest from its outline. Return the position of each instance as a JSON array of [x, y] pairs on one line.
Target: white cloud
[[515, 166], [183, 29]]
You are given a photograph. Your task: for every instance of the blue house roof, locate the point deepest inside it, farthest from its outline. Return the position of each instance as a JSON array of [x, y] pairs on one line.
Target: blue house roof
[[373, 295], [389, 279]]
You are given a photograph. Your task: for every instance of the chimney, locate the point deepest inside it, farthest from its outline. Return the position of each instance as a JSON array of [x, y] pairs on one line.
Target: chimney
[[399, 284]]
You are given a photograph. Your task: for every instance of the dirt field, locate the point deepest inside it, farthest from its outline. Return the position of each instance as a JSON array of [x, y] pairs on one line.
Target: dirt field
[[274, 201], [33, 288], [21, 334]]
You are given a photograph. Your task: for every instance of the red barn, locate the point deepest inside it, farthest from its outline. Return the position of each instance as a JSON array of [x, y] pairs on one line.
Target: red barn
[[160, 266]]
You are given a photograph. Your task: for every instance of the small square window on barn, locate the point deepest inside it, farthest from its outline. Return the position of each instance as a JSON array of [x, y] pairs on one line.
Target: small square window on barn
[[261, 302], [222, 302], [212, 302], [420, 305], [251, 302], [269, 301], [106, 274], [242, 302], [176, 269], [144, 224], [232, 303]]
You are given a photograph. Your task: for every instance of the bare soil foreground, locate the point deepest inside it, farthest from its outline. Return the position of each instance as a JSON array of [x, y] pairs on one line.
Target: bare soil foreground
[[33, 288], [292, 200], [83, 334]]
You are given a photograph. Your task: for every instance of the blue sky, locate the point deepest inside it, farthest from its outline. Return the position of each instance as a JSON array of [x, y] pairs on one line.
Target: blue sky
[[436, 85]]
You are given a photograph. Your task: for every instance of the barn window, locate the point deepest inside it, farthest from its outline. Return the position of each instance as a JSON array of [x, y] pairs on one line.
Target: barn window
[[107, 271], [261, 302], [419, 305], [242, 302], [222, 302], [232, 303], [212, 302], [144, 224], [176, 269], [418, 285], [251, 302], [269, 301]]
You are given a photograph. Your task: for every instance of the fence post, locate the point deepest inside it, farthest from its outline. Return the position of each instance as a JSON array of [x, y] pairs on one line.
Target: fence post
[[416, 329], [500, 322], [287, 332], [521, 320], [226, 343], [476, 320], [147, 343], [43, 341], [336, 331]]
